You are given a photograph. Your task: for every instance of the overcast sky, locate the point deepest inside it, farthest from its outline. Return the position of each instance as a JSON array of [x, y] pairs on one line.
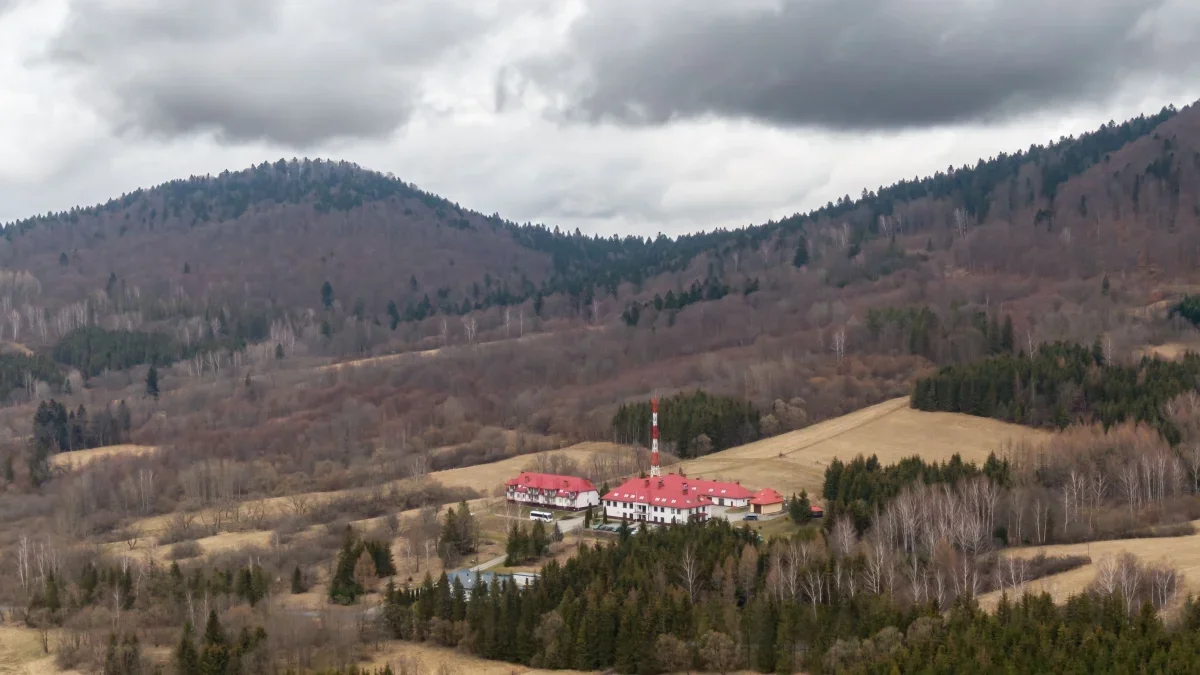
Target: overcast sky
[[629, 116]]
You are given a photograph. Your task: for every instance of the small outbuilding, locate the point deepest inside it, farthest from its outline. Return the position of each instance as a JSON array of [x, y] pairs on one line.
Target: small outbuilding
[[766, 501]]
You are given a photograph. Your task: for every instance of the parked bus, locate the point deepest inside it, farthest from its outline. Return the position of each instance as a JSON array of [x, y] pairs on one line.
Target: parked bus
[[544, 516]]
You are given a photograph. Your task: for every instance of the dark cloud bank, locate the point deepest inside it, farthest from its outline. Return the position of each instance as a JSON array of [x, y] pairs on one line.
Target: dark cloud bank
[[301, 74], [859, 64]]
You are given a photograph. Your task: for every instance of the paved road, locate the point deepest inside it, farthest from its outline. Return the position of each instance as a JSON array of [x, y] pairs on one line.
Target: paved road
[[564, 525]]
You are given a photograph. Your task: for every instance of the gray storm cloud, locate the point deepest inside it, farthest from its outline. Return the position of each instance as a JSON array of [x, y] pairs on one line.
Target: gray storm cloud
[[291, 73], [859, 64]]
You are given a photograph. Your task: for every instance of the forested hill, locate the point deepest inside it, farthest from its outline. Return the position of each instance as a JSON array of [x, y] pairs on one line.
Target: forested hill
[[272, 236]]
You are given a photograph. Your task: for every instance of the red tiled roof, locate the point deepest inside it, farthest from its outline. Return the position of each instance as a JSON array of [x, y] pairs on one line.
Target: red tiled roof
[[715, 488], [767, 496], [666, 490], [548, 481]]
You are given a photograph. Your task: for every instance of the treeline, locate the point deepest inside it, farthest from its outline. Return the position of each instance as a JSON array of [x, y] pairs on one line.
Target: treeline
[[359, 564], [861, 487], [94, 350], [1060, 384], [102, 585], [1188, 308], [950, 339], [1029, 635], [713, 288], [18, 371], [708, 596], [219, 654], [525, 546], [56, 429], [691, 424]]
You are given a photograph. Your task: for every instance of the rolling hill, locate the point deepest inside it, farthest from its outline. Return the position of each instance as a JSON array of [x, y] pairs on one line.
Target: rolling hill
[[890, 430]]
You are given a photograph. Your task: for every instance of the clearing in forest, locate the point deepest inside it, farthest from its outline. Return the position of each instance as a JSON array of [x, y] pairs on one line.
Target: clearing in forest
[[21, 652], [890, 430], [1181, 553], [79, 458]]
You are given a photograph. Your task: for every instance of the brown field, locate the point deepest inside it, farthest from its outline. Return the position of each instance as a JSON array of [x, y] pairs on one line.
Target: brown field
[[1182, 553], [490, 476], [483, 477], [891, 430], [15, 347], [21, 652], [1171, 350], [430, 659], [79, 458]]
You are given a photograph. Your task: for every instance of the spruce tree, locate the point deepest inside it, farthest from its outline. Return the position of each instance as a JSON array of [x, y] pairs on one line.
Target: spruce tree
[[801, 257], [53, 603], [152, 382], [214, 655], [327, 295], [187, 659]]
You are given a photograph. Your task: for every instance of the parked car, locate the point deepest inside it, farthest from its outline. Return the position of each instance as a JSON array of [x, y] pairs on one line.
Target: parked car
[[750, 516]]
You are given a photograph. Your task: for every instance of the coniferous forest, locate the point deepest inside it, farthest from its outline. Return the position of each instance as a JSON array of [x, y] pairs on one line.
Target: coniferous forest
[[712, 597], [690, 424], [1062, 383]]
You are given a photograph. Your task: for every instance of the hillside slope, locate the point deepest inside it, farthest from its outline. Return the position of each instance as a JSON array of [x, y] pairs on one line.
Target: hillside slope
[[271, 235], [891, 430]]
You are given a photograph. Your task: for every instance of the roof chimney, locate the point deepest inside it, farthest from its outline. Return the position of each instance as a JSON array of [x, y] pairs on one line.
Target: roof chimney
[[660, 482], [685, 488], [647, 482]]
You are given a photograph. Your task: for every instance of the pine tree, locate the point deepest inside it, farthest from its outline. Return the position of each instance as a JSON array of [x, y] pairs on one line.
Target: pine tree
[[214, 654], [801, 257], [800, 508], [1007, 339], [152, 382], [343, 587], [538, 541], [468, 531], [327, 295], [51, 593], [451, 536], [587, 518]]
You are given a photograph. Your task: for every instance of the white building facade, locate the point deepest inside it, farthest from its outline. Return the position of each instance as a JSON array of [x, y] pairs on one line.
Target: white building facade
[[667, 500], [552, 491]]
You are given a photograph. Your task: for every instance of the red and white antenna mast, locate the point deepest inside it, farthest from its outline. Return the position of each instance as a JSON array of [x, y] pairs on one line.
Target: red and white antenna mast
[[655, 470]]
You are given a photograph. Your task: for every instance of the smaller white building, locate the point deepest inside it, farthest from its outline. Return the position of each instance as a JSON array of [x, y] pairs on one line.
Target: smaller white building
[[552, 491]]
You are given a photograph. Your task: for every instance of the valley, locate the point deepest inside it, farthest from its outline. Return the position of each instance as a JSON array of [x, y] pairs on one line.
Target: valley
[[288, 398]]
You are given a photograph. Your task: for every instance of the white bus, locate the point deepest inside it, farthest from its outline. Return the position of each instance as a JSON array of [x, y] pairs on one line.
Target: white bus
[[544, 516]]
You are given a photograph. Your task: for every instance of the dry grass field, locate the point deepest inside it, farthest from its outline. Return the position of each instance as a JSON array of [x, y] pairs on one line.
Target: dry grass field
[[421, 658], [797, 460], [1182, 553], [21, 652], [1171, 350], [491, 476], [483, 477], [15, 348], [79, 458]]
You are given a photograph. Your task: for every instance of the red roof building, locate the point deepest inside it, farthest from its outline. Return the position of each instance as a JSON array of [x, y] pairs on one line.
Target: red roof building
[[767, 501], [553, 491], [667, 499], [722, 493]]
